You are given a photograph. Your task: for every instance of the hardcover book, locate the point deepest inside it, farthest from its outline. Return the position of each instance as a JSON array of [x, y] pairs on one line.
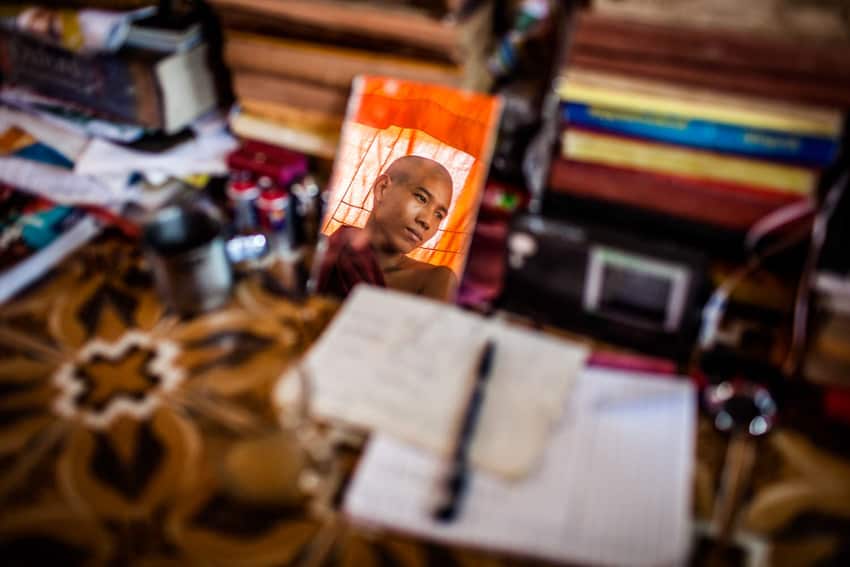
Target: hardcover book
[[768, 67], [816, 20], [150, 89], [830, 93], [736, 51], [393, 27], [708, 203], [640, 94], [291, 92], [337, 66], [286, 133], [703, 134], [631, 153]]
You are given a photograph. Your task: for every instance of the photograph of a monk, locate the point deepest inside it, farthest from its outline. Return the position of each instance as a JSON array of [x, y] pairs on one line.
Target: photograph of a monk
[[411, 197]]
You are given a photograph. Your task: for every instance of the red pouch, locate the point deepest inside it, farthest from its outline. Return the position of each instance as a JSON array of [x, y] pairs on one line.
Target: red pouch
[[266, 160]]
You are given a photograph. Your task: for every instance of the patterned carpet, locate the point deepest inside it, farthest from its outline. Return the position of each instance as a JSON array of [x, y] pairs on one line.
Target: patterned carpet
[[131, 436]]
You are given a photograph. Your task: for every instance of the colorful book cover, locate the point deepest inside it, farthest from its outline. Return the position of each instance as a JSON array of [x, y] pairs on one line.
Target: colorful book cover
[[105, 83], [407, 183], [597, 88], [27, 224], [704, 134], [35, 233], [616, 151]]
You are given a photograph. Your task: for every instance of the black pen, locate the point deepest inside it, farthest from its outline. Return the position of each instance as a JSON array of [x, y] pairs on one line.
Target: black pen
[[453, 486]]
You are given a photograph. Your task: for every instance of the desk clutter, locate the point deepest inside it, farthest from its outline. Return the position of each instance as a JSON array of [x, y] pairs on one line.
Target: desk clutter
[[424, 282]]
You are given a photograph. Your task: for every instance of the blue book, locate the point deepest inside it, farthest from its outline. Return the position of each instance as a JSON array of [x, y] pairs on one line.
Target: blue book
[[703, 134]]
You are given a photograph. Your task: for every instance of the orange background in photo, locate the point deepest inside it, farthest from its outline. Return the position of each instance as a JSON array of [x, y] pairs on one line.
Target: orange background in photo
[[388, 119]]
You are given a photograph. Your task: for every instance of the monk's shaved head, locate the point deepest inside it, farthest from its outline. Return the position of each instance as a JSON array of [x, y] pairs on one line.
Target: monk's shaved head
[[405, 168], [411, 199]]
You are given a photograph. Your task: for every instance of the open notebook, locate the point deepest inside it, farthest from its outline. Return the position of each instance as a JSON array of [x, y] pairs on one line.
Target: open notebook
[[404, 366], [614, 486]]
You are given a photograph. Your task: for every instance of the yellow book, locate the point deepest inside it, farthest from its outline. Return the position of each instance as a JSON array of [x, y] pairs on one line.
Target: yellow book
[[603, 89], [313, 120], [590, 147], [320, 144]]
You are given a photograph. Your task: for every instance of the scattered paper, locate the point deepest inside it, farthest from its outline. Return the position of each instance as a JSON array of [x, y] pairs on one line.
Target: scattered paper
[[204, 154], [64, 140], [69, 116], [61, 185]]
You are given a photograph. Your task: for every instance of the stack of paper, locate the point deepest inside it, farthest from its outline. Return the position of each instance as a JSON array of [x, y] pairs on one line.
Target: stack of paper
[[614, 485]]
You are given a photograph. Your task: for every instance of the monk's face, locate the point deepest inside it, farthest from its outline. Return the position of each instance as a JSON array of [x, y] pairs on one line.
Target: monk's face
[[409, 209]]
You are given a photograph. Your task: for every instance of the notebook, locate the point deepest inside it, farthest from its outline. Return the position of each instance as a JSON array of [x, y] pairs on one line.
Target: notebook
[[613, 487], [403, 365]]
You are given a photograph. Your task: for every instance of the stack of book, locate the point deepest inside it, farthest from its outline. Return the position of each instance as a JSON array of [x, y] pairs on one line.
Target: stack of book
[[156, 82], [805, 20], [293, 61], [702, 123]]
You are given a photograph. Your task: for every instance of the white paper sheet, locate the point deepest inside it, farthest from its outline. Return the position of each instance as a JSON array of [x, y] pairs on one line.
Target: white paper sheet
[[76, 124], [614, 485], [65, 141], [61, 185], [404, 365], [206, 153]]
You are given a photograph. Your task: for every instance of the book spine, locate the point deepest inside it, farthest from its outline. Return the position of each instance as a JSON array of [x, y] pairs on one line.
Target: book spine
[[587, 146], [290, 92], [708, 203], [332, 66], [732, 50], [779, 19], [770, 144], [393, 25], [287, 136], [105, 84], [595, 95], [714, 76]]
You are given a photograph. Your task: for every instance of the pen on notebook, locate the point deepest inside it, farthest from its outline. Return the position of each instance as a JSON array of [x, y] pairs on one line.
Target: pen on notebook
[[453, 485]]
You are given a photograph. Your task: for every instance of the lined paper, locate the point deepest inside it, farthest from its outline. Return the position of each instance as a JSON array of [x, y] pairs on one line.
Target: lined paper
[[613, 486]]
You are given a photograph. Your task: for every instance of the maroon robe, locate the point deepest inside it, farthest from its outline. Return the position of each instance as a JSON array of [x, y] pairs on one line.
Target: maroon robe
[[345, 265]]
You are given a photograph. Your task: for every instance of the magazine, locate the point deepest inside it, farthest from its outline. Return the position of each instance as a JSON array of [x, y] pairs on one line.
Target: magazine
[[35, 233]]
